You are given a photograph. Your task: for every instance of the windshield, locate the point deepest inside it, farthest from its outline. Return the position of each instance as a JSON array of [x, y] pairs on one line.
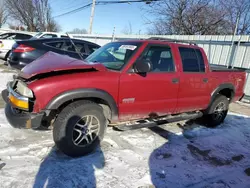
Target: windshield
[[114, 55]]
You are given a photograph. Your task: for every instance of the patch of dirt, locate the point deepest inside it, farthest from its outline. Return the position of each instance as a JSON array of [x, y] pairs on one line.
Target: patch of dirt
[[218, 184], [247, 171], [204, 155], [163, 155], [238, 157]]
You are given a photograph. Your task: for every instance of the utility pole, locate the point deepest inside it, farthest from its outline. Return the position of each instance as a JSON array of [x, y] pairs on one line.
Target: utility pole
[[229, 61], [92, 16], [113, 35]]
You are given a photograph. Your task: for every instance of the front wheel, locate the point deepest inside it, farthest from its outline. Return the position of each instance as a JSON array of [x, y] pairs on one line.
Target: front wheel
[[217, 112], [79, 128]]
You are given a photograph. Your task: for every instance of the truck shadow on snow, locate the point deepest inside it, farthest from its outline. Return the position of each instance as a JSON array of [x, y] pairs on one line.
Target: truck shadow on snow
[[58, 170], [200, 157], [203, 157]]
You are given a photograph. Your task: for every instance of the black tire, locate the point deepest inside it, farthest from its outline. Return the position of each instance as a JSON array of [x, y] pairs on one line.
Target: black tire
[[211, 117], [66, 122], [6, 56]]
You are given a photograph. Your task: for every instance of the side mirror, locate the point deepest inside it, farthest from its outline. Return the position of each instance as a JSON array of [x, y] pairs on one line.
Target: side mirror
[[142, 66]]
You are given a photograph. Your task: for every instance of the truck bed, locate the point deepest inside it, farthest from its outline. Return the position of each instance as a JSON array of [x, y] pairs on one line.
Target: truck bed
[[222, 68]]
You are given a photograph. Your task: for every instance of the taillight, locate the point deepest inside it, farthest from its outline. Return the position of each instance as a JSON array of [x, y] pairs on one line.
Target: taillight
[[23, 48]]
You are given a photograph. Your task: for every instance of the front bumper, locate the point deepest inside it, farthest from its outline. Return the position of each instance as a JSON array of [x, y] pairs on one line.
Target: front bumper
[[18, 118], [3, 53]]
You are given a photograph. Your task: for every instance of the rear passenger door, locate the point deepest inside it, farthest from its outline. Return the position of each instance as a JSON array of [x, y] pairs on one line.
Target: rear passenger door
[[194, 83]]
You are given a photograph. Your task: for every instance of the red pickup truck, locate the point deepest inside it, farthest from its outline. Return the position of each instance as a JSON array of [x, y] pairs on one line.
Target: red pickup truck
[[140, 81]]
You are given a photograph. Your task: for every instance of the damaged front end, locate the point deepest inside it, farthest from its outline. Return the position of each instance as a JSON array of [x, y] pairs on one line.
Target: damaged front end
[[19, 101], [22, 98]]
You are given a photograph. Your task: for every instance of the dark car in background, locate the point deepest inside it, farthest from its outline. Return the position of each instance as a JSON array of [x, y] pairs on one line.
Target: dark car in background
[[25, 51]]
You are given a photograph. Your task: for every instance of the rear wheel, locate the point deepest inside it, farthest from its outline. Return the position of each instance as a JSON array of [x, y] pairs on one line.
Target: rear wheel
[[79, 128], [217, 112]]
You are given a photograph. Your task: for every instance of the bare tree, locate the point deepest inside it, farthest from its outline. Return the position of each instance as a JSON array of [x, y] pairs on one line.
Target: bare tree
[[34, 14], [127, 30], [22, 11], [16, 27], [3, 13], [78, 31], [187, 17], [237, 9]]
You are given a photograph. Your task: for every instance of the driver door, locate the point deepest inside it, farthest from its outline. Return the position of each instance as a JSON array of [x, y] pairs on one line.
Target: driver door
[[155, 92]]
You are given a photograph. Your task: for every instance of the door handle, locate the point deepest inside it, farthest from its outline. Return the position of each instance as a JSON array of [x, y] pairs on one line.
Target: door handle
[[175, 80], [205, 80]]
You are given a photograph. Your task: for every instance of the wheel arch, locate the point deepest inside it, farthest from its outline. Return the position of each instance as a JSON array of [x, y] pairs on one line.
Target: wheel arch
[[96, 95], [226, 89]]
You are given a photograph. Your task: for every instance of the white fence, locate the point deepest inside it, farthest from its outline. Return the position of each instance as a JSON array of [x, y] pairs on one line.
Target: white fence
[[232, 51]]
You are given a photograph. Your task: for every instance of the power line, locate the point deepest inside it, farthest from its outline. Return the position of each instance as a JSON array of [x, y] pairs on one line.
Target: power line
[[104, 3], [74, 11], [71, 6]]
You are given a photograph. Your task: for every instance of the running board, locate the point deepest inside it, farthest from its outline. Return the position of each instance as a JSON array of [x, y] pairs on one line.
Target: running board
[[157, 121]]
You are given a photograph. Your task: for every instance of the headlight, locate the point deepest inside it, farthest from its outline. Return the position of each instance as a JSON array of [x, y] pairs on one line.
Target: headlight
[[22, 89]]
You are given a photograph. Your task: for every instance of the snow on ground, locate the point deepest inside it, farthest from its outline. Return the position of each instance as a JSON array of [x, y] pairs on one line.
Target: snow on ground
[[244, 104], [4, 78], [175, 155]]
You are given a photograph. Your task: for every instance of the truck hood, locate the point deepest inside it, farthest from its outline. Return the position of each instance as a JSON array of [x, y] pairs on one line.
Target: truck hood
[[53, 62]]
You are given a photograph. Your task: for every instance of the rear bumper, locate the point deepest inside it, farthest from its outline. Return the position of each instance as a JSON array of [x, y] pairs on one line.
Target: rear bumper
[[16, 64], [20, 119], [19, 60]]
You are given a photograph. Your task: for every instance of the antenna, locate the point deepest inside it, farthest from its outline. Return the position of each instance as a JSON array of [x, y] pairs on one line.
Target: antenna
[[75, 47]]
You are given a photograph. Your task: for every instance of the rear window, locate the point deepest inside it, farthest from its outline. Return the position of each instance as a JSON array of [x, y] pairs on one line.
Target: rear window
[[192, 60], [57, 45]]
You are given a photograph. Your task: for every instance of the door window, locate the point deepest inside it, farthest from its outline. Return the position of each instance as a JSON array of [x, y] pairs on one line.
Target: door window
[[192, 60], [161, 59]]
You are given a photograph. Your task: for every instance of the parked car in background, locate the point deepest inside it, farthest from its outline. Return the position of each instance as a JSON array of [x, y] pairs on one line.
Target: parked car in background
[[42, 35], [26, 51], [7, 39]]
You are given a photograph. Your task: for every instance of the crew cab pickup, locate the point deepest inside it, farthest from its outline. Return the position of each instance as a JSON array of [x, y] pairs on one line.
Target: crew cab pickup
[[145, 82]]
